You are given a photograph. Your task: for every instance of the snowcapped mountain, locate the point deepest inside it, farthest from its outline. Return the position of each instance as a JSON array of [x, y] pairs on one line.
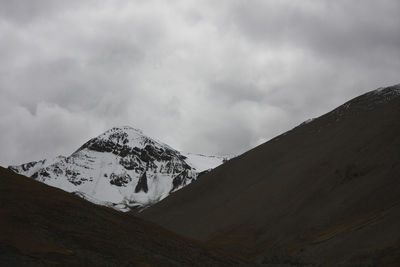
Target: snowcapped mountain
[[121, 168]]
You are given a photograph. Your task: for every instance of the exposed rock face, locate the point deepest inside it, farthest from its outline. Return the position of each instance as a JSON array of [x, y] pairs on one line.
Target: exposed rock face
[[142, 184], [180, 180], [121, 168]]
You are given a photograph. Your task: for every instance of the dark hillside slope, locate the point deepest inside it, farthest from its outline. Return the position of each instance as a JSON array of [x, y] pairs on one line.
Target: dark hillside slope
[[45, 226], [326, 192]]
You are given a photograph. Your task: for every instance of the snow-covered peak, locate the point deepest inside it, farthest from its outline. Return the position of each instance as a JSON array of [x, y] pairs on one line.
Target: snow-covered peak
[[124, 138], [129, 131], [121, 168]]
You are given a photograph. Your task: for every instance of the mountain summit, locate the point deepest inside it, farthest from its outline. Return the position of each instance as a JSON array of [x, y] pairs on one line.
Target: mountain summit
[[121, 168]]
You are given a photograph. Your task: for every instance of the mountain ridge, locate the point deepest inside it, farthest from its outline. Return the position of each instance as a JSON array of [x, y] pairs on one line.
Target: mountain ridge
[[45, 226], [324, 193]]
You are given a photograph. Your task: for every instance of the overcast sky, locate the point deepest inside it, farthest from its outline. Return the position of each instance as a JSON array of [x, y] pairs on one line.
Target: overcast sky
[[211, 77]]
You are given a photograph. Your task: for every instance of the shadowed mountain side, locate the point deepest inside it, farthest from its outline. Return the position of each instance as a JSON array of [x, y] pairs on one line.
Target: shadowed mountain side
[[43, 226], [326, 192]]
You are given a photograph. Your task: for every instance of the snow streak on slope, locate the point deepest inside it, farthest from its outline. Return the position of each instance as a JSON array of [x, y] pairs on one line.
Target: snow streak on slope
[[203, 163], [121, 168]]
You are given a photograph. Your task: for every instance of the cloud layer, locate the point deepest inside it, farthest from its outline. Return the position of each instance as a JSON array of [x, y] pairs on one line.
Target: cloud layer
[[213, 77]]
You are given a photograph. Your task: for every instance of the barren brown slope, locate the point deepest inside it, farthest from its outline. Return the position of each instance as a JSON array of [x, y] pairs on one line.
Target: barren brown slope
[[326, 192], [42, 226]]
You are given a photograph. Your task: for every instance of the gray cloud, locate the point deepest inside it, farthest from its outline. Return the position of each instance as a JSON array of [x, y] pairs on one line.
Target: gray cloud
[[213, 77], [22, 11]]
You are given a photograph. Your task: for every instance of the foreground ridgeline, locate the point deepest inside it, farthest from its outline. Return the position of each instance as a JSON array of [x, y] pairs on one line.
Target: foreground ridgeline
[[325, 193], [122, 168], [45, 226]]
